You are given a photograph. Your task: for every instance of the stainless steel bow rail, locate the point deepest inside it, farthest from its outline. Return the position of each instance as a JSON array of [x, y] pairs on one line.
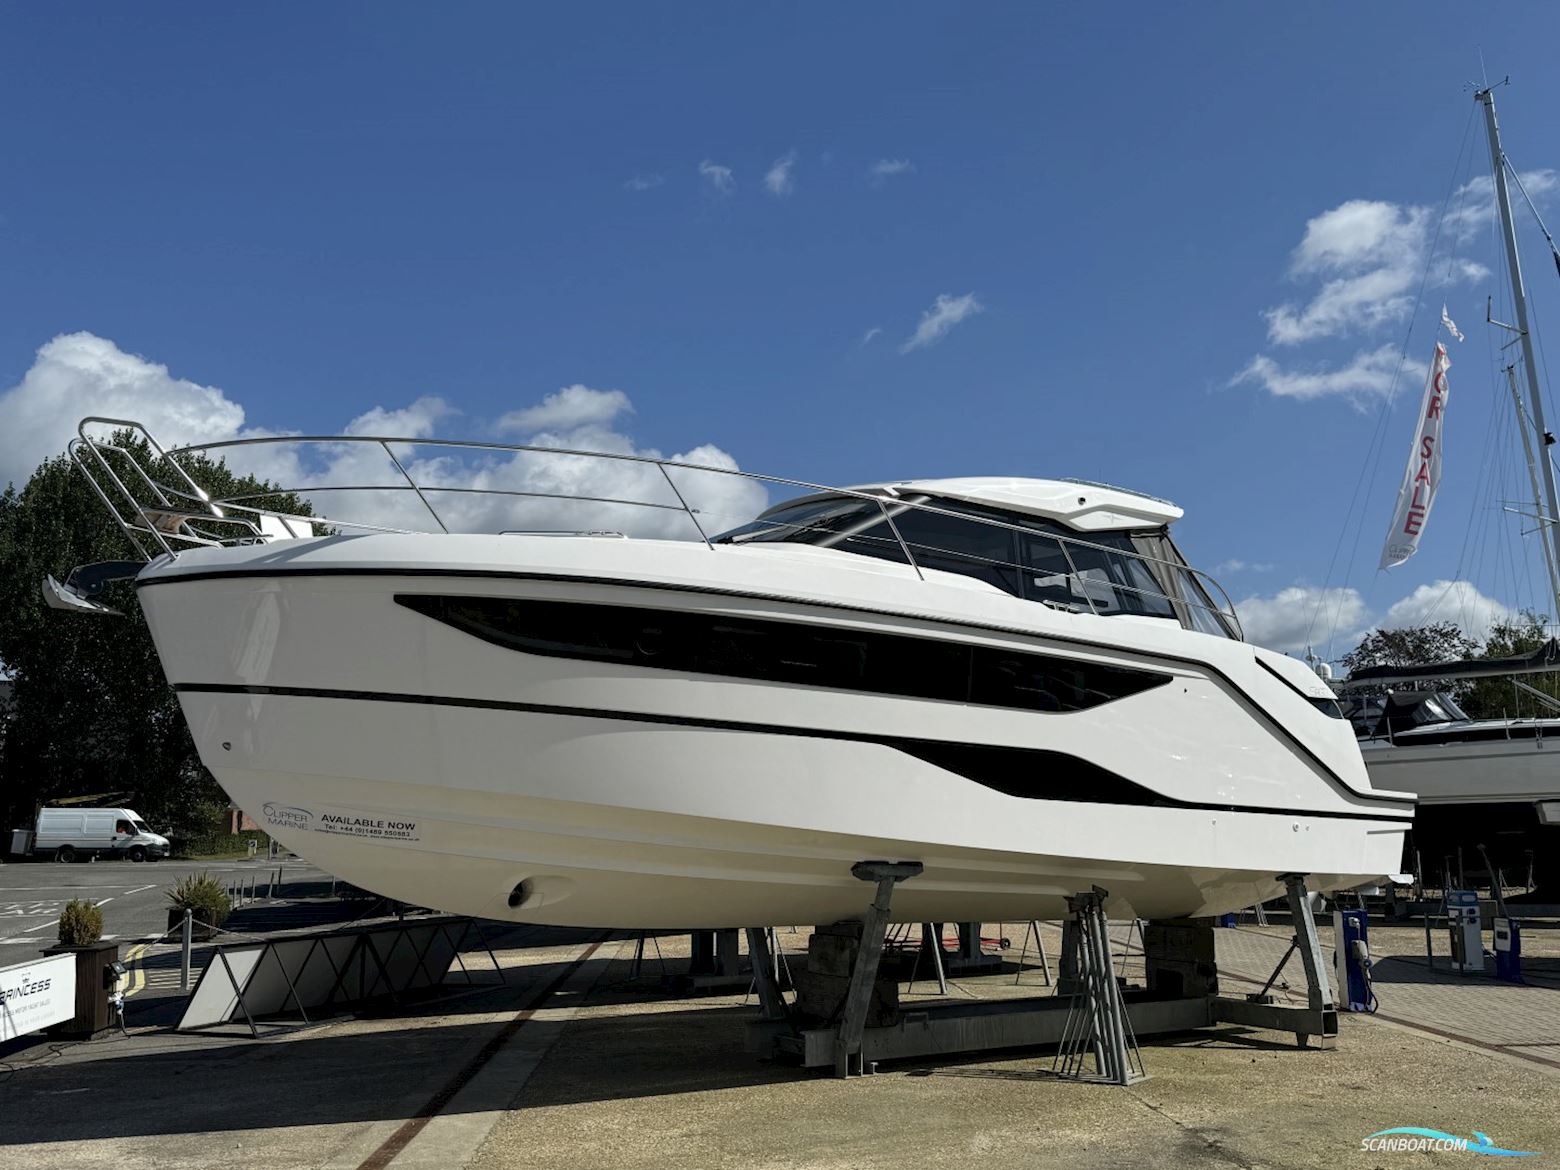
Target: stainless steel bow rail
[[162, 510]]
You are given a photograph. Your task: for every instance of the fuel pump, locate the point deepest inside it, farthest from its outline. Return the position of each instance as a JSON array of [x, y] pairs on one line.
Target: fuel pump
[[1508, 950], [1351, 961], [1463, 919]]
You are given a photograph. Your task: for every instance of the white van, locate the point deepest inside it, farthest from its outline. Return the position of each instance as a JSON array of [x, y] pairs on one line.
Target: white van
[[69, 833]]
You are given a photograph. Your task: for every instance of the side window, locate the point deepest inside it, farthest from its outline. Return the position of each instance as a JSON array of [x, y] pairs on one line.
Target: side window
[[1099, 578], [956, 545], [124, 827]]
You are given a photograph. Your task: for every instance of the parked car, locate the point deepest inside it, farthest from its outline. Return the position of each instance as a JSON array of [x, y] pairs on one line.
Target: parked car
[[69, 833]]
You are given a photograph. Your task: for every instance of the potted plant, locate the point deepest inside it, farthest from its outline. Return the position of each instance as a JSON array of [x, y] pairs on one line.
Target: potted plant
[[203, 896], [80, 929]]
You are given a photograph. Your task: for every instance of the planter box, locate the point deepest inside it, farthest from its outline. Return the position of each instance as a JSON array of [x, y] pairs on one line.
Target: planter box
[[92, 986]]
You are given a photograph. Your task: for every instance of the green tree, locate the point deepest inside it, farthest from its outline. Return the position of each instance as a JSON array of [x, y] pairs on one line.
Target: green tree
[[1411, 646], [91, 711], [1414, 646], [1496, 698]]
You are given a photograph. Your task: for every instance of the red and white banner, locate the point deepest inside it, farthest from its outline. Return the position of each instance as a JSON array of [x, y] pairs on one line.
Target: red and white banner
[[1423, 474]]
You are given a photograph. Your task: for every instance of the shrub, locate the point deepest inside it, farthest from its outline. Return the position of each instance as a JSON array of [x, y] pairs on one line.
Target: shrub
[[203, 896], [217, 845], [81, 923]]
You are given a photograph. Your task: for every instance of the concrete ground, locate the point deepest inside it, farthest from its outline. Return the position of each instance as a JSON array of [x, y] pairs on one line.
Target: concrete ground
[[616, 1073]]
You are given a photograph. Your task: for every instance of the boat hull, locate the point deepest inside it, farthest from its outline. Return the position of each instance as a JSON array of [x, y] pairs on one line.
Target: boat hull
[[418, 761], [1478, 798], [720, 828]]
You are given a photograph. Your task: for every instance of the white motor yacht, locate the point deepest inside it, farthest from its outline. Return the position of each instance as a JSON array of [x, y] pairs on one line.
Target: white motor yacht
[[1018, 683], [1488, 789]]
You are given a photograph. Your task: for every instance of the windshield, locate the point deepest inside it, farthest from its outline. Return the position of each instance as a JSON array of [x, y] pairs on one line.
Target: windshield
[[1099, 572], [141, 827]]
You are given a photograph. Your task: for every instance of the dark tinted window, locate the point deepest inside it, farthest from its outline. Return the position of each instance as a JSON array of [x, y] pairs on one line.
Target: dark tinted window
[[1106, 574], [789, 652], [1096, 570], [952, 544]]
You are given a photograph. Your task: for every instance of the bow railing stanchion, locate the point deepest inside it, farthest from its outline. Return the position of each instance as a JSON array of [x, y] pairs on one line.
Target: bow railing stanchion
[[905, 548], [74, 451], [135, 508], [1074, 575], [413, 484], [704, 536], [1229, 605]]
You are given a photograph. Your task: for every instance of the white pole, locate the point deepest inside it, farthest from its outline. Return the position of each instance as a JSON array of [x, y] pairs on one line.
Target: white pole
[[184, 954], [1532, 466], [1549, 516]]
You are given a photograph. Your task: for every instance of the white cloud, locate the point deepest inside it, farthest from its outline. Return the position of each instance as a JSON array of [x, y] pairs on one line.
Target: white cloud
[[1368, 373], [81, 374], [866, 338], [887, 168], [946, 312], [780, 178], [1301, 615], [572, 407], [1358, 234], [718, 177], [1236, 565], [644, 182], [1472, 209], [418, 420], [1448, 601], [1369, 254]]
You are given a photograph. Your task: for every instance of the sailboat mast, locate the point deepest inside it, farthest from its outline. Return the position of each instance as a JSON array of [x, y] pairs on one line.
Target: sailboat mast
[[1548, 509], [1532, 466]]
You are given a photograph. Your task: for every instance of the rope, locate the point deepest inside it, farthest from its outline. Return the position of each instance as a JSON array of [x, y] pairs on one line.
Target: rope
[[1374, 450]]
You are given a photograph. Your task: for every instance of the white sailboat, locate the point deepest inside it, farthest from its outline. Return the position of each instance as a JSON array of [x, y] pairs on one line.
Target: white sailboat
[[1487, 788]]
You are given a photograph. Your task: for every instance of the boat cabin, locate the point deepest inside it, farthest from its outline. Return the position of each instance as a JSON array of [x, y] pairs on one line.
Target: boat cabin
[[1392, 713], [1072, 545]]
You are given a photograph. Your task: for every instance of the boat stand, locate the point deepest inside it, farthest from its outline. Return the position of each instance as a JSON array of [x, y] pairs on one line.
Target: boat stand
[[1032, 930], [1319, 1018], [1097, 1020], [830, 1026], [863, 972], [765, 960]]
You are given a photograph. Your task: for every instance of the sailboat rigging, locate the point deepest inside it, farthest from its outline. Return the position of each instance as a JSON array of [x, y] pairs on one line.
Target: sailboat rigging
[[1486, 787]]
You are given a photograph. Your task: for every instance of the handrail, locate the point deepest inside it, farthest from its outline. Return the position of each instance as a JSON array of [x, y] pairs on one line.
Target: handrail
[[1177, 592]]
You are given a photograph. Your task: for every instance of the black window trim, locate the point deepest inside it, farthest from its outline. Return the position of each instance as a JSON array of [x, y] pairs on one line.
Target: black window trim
[[697, 641]]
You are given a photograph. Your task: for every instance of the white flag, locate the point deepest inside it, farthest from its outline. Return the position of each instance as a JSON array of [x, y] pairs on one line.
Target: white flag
[[1423, 474], [1451, 326]]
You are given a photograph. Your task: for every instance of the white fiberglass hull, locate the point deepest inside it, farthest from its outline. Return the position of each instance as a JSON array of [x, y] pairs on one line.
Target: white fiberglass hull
[[1489, 771], [418, 761]]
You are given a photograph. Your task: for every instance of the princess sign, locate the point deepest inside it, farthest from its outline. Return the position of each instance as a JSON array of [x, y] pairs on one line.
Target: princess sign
[[36, 994]]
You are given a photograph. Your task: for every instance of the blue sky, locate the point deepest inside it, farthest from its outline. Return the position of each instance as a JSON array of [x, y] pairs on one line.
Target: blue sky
[[322, 211]]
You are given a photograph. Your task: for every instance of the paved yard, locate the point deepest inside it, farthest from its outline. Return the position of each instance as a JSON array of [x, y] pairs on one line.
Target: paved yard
[[612, 1072]]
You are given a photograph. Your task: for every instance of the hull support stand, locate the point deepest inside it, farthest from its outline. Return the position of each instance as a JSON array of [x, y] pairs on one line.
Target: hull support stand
[[863, 973], [1097, 1019], [846, 1019], [1319, 1017], [766, 974]]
